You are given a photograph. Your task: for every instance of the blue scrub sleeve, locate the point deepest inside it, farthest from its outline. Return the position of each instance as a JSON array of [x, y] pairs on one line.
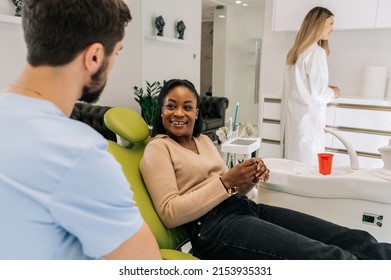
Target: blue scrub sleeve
[[94, 202]]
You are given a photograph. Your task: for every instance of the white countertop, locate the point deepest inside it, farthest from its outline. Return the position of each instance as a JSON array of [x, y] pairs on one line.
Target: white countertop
[[345, 99], [360, 100]]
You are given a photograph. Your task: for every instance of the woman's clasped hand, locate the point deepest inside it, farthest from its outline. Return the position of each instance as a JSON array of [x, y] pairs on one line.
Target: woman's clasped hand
[[248, 171]]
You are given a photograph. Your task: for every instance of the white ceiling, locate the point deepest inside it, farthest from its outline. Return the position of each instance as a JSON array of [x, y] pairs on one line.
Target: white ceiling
[[209, 6]]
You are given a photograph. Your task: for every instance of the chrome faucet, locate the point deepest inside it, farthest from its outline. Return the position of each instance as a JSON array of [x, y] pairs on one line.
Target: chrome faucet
[[354, 163]]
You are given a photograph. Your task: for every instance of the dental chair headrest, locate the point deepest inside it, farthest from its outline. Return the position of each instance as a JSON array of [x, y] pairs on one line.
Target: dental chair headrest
[[127, 123]]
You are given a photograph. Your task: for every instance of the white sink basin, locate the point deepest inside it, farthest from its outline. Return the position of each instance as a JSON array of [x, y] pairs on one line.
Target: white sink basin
[[353, 198], [293, 167], [296, 178]]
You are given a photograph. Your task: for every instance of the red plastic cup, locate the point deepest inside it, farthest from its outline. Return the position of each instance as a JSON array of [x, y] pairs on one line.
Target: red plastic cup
[[325, 161]]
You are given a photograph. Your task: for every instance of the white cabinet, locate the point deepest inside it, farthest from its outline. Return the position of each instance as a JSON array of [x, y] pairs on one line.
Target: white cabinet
[[270, 126], [349, 14], [289, 14], [365, 124], [366, 127], [383, 19], [353, 14]]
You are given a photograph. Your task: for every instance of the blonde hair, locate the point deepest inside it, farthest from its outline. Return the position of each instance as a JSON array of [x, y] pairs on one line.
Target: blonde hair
[[310, 31]]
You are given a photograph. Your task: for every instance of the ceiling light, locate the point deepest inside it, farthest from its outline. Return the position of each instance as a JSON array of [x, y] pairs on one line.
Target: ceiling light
[[238, 2], [245, 4]]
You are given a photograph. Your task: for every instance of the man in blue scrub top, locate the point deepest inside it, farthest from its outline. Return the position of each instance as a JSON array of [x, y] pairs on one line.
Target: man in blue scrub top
[[62, 195]]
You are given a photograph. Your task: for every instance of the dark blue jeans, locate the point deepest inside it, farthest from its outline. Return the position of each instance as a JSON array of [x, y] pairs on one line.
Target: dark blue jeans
[[238, 229]]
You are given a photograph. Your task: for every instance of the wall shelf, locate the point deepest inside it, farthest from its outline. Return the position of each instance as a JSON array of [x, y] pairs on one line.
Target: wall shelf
[[10, 19], [165, 40]]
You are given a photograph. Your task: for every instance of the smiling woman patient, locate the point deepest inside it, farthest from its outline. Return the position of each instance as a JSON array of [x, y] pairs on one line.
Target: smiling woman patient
[[190, 185]]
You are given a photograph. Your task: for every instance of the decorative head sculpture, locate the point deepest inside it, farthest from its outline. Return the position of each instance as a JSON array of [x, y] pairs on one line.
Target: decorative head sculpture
[[180, 27], [159, 23], [18, 4]]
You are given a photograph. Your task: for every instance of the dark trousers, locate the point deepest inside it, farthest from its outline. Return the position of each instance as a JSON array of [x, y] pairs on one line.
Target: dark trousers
[[239, 228]]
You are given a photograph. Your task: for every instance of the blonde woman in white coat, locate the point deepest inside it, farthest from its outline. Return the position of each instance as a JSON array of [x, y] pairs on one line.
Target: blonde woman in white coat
[[306, 91]]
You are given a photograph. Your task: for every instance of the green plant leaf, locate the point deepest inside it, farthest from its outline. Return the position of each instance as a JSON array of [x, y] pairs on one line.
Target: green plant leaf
[[148, 99]]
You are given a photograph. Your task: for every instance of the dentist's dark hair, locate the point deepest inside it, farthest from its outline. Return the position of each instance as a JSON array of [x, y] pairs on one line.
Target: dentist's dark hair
[[56, 31], [158, 127]]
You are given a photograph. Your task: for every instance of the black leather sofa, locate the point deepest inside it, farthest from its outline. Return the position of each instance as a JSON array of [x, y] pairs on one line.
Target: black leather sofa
[[93, 116], [212, 109]]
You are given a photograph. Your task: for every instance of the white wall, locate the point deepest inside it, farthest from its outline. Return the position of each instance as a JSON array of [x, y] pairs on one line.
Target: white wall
[[140, 59], [234, 58], [144, 60], [12, 46], [12, 52], [351, 51], [245, 27], [6, 7], [162, 60], [126, 72], [274, 48]]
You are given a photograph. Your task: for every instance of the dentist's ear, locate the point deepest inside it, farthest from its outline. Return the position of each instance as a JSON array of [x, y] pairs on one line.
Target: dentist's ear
[[93, 58]]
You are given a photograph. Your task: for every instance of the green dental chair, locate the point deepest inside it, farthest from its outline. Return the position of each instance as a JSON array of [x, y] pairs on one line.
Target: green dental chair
[[131, 127]]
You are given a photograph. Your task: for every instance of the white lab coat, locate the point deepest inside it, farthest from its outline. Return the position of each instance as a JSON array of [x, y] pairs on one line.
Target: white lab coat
[[304, 100]]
